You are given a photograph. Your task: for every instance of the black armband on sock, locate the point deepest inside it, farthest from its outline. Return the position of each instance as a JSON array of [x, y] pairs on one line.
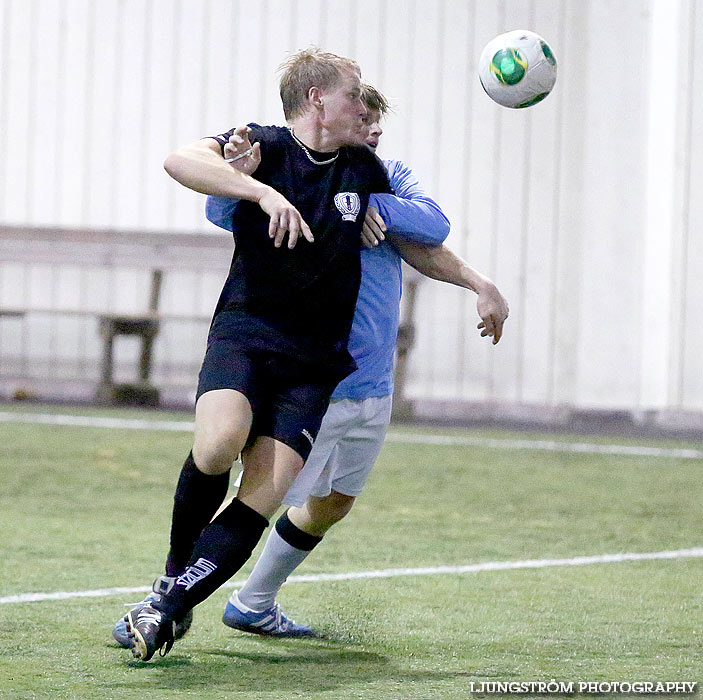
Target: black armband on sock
[[294, 536]]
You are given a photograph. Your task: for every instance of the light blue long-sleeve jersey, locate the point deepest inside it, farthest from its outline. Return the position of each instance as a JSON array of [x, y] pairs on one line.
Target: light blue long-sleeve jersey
[[410, 215]]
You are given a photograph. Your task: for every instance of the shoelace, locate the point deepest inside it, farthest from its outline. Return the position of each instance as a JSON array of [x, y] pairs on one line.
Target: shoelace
[[151, 598], [282, 623], [149, 616]]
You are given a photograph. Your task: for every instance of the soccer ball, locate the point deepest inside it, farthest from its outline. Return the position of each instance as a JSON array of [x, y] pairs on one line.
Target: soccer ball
[[517, 69]]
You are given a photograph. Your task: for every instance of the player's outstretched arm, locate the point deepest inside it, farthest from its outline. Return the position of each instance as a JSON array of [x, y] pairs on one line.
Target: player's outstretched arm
[[201, 167], [410, 214], [442, 264]]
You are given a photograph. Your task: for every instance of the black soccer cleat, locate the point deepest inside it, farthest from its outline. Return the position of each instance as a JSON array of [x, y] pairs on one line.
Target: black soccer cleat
[[149, 631], [161, 586]]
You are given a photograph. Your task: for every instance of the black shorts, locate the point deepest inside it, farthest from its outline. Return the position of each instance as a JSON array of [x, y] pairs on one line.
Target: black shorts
[[287, 397]]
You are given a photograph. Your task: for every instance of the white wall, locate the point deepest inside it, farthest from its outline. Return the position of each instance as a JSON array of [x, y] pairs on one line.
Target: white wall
[[582, 208]]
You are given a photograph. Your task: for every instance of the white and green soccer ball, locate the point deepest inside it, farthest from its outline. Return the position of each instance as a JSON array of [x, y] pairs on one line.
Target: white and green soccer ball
[[517, 69]]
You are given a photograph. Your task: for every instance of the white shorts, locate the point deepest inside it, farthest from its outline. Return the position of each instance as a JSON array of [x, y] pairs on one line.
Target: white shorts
[[346, 448]]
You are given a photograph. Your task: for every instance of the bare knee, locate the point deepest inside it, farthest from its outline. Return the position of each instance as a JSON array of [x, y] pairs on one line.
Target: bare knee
[[319, 514], [215, 452], [222, 423]]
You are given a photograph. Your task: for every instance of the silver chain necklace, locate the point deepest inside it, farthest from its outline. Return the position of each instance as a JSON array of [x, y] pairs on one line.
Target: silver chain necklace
[[307, 153]]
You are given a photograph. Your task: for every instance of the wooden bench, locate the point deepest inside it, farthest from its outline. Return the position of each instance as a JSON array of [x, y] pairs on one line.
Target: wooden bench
[[111, 325], [146, 327], [159, 253]]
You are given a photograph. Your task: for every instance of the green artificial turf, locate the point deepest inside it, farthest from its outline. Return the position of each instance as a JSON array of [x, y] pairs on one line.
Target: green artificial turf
[[85, 508]]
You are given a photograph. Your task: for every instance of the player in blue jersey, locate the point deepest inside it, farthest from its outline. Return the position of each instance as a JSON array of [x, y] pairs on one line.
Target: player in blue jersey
[[277, 345], [354, 427]]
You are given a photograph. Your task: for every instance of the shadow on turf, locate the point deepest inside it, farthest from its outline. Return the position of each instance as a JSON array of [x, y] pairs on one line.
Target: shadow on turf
[[315, 665]]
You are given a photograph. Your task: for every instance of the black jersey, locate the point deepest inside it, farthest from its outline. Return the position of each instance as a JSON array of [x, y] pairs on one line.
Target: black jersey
[[300, 301]]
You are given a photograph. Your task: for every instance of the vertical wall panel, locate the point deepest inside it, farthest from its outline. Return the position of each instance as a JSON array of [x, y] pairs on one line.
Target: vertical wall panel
[[251, 84], [444, 138], [45, 103], [682, 199], [256, 62], [422, 147], [5, 28], [190, 36], [131, 113], [17, 94], [396, 82], [309, 22], [274, 42], [67, 336], [72, 147], [692, 328], [613, 196], [566, 293], [104, 107], [454, 140], [509, 199], [668, 55], [219, 65], [12, 278], [478, 215], [365, 35], [541, 207], [12, 285], [339, 27], [159, 190]]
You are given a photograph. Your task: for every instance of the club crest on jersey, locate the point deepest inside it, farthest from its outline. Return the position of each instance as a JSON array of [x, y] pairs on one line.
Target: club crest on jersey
[[349, 204]]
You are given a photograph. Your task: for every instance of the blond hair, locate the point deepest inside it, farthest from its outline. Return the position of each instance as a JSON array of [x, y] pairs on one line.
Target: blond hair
[[310, 68]]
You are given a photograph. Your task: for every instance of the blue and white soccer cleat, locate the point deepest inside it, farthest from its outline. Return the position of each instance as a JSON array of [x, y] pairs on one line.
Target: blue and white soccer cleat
[[162, 585], [271, 622]]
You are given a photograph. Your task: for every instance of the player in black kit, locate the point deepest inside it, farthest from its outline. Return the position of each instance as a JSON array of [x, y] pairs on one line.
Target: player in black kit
[[277, 344]]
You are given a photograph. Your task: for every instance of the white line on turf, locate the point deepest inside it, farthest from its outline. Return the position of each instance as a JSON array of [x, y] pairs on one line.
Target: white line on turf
[[691, 553], [393, 436], [548, 446], [97, 422]]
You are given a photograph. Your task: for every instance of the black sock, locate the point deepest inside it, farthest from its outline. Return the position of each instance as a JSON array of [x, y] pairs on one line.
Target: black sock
[[222, 549], [294, 536], [197, 498]]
